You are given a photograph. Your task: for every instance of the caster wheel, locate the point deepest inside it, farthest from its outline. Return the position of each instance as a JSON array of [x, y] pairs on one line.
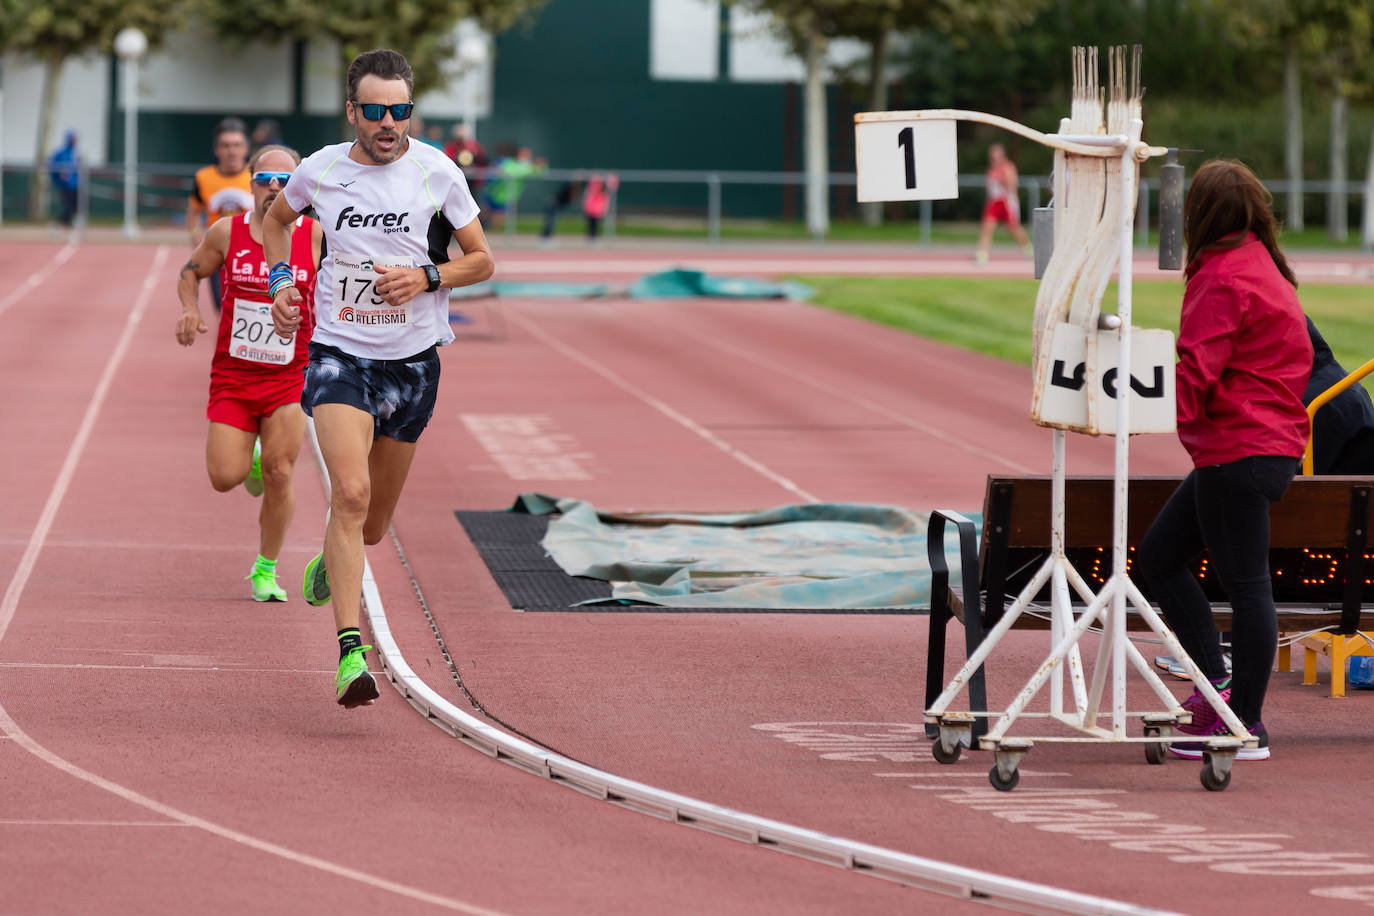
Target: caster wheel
[[1211, 782], [1000, 784], [1155, 751], [937, 750]]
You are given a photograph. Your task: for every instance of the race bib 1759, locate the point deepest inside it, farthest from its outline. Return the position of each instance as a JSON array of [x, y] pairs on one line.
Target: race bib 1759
[[355, 294]]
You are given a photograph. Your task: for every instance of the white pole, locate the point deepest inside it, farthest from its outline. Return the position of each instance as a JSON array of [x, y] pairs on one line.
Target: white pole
[[131, 147], [1123, 431], [130, 44]]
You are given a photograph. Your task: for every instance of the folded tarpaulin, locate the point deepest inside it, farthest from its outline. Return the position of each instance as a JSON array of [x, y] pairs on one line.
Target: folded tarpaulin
[[818, 555]]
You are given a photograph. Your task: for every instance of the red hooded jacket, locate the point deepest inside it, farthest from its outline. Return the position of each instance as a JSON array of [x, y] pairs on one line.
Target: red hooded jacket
[[1243, 359]]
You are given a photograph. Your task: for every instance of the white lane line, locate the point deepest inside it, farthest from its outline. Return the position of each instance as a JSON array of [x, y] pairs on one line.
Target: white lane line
[[936, 432], [63, 255], [11, 729], [83, 433], [214, 669], [676, 416], [44, 822]]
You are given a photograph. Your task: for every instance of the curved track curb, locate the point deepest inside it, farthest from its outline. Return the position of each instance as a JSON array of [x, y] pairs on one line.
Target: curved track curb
[[916, 871]]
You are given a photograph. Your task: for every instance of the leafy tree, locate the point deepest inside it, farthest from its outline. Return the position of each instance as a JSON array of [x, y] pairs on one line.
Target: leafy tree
[[420, 29], [809, 25], [52, 31]]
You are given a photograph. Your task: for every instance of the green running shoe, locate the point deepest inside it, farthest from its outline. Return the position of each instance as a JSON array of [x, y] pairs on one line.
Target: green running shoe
[[265, 586], [315, 588], [253, 482], [353, 685]]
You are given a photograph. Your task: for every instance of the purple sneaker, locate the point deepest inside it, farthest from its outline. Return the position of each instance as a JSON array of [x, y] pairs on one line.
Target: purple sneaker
[[1204, 716], [1192, 750]]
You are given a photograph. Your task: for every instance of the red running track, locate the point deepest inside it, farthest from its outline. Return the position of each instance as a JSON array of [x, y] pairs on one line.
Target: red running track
[[168, 744]]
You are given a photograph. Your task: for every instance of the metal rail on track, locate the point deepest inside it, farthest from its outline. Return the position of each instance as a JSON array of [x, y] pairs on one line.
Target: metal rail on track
[[904, 868]]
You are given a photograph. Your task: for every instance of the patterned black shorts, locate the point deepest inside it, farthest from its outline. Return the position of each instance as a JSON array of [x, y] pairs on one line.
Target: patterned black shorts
[[399, 393]]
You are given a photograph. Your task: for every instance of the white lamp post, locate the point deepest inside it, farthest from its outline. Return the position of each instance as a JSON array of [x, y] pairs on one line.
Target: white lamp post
[[472, 54], [130, 44]]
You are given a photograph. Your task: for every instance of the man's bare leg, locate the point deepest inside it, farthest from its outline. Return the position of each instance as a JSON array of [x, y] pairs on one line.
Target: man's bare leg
[[345, 437], [389, 465], [282, 433]]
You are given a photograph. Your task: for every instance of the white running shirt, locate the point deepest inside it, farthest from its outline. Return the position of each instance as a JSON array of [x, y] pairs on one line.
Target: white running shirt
[[401, 213]]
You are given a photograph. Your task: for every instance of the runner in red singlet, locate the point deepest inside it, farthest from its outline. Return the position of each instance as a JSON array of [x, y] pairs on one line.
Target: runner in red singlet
[[1001, 206], [256, 422]]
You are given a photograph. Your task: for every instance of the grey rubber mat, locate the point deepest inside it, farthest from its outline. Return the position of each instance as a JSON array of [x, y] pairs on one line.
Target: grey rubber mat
[[509, 543]]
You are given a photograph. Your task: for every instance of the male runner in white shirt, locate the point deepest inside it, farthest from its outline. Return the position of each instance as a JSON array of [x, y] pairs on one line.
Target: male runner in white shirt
[[389, 208]]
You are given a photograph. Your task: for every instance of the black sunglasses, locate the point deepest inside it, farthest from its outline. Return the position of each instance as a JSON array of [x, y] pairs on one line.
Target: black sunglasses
[[375, 111]]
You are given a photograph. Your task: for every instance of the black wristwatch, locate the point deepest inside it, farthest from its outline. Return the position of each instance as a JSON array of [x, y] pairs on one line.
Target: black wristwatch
[[432, 275]]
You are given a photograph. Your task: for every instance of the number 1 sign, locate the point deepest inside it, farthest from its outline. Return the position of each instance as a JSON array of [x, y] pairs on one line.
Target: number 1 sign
[[906, 159]]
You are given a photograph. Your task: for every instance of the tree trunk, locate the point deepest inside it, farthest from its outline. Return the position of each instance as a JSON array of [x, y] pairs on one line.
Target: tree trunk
[[817, 160], [1292, 117], [39, 211], [1337, 219], [877, 101]]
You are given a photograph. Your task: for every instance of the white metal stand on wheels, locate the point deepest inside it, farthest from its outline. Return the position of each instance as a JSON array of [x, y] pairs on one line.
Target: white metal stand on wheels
[[1096, 176]]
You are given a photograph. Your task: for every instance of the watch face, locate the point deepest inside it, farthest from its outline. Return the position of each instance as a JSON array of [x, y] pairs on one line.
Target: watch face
[[432, 275]]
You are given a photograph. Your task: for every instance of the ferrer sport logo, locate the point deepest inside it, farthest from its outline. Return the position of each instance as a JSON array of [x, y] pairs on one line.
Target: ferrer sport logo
[[387, 222]]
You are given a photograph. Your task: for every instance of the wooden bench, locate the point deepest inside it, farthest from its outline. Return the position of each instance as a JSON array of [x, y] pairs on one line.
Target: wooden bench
[[1318, 559]]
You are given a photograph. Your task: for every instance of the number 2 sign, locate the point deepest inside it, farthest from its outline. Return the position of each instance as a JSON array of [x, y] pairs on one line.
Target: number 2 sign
[[905, 159]]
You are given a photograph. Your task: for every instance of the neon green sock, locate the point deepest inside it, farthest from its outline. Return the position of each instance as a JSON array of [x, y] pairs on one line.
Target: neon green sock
[[264, 565]]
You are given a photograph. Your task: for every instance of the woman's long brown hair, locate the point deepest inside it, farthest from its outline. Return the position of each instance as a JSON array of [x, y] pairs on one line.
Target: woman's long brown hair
[[1225, 200]]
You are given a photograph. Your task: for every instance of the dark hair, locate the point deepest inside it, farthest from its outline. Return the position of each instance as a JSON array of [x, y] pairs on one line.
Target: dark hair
[[382, 62], [1226, 200], [271, 148], [229, 125]]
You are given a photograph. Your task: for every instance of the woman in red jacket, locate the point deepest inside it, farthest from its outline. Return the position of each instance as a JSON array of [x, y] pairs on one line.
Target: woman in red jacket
[[1243, 360]]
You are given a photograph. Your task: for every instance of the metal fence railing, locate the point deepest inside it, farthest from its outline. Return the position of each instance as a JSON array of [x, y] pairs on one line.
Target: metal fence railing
[[682, 202]]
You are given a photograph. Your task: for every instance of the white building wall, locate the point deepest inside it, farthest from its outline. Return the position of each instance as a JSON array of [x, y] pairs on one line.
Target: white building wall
[[82, 96], [684, 39]]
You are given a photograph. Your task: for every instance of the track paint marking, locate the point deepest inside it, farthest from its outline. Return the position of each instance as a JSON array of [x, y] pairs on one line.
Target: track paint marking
[[11, 729], [200, 669], [39, 822], [676, 416], [754, 358], [528, 446], [63, 255], [83, 433]]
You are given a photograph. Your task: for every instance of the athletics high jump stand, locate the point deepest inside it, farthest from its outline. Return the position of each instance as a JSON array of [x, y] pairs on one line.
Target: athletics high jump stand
[[911, 155]]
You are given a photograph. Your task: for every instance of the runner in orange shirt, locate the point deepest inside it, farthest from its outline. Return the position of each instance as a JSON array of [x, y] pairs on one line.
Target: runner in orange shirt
[[256, 421], [222, 189]]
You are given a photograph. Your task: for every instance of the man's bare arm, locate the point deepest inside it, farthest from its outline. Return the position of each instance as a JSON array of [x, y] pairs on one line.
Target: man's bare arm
[[398, 285], [276, 246], [207, 258]]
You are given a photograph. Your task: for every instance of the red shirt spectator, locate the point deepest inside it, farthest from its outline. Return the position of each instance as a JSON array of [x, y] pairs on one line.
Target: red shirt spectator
[[1243, 358]]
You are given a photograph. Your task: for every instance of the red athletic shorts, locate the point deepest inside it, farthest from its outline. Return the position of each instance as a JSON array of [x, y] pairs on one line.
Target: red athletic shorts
[[242, 403], [998, 211]]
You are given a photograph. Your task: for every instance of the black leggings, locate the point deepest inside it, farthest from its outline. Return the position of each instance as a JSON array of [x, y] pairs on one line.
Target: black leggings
[[1225, 508]]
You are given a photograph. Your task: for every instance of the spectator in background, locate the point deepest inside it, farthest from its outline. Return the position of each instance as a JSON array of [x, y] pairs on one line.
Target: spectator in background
[[434, 136], [1343, 429], [266, 132], [220, 190], [508, 184], [64, 167], [561, 198], [468, 154], [1002, 205], [596, 201]]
